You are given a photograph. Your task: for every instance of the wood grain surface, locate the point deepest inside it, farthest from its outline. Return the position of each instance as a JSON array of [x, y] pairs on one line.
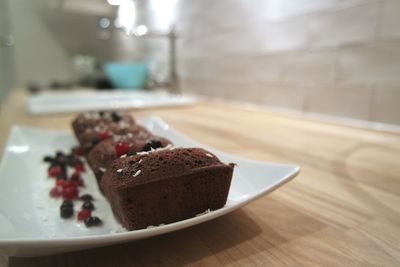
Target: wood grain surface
[[342, 210]]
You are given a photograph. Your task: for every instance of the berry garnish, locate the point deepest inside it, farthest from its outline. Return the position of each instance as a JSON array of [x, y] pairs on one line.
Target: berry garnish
[[80, 182], [56, 191], [84, 214], [67, 203], [152, 144], [122, 149], [70, 193], [48, 159], [77, 178], [78, 151], [60, 182], [80, 167], [104, 135], [115, 117], [92, 221], [62, 176], [72, 160], [54, 171], [61, 159], [86, 197], [66, 211], [70, 183], [75, 175], [87, 205]]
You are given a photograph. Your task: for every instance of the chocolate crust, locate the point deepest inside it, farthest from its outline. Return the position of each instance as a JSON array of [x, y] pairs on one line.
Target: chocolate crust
[[92, 136], [104, 153], [93, 119]]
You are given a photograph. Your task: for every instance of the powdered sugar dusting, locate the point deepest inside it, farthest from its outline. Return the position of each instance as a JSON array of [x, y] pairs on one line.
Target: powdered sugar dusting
[[137, 173], [123, 124], [167, 147], [119, 170], [209, 155], [102, 169]]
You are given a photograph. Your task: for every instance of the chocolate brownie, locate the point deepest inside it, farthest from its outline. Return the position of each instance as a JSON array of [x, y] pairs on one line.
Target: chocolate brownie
[[92, 119], [102, 155], [165, 186], [94, 135]]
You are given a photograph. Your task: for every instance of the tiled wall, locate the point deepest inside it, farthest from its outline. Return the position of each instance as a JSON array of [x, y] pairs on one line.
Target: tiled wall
[[337, 57]]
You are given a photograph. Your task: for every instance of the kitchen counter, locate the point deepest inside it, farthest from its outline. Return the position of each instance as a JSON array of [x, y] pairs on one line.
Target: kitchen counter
[[343, 208]]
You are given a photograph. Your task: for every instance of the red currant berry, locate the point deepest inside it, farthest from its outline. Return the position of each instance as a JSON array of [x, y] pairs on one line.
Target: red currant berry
[[84, 214], [78, 151], [60, 182], [77, 178], [81, 182], [104, 135], [80, 167], [54, 171], [70, 193], [70, 183], [121, 149], [56, 191]]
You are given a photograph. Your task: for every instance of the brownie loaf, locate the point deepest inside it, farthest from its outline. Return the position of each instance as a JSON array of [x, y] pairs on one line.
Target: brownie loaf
[[103, 154], [92, 136], [92, 119], [165, 186]]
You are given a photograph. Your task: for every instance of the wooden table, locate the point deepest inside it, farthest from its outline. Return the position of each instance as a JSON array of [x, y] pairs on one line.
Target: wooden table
[[343, 209]]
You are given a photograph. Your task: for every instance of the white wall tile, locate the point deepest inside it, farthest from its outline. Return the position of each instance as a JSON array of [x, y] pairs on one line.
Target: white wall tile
[[313, 68], [283, 36], [282, 96], [390, 19], [278, 10], [222, 44], [372, 66], [237, 69], [386, 106], [340, 27], [260, 38], [353, 103]]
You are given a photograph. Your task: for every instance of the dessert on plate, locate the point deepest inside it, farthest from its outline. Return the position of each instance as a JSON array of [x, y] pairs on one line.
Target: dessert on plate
[[148, 181]]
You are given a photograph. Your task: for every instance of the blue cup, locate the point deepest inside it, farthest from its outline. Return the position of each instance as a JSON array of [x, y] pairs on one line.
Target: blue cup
[[127, 75]]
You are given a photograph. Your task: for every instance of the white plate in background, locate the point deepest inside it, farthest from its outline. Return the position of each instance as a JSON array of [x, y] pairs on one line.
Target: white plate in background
[[30, 224], [85, 100]]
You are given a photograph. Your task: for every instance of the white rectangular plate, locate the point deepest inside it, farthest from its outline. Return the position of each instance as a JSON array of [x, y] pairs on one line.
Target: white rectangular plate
[[84, 100], [30, 224]]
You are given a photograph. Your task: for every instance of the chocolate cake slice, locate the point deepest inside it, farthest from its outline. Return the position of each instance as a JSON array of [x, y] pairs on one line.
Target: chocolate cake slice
[[103, 154], [165, 186], [92, 136], [92, 119]]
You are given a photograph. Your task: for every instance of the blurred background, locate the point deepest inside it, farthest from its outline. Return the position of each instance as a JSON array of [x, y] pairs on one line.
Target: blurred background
[[334, 57]]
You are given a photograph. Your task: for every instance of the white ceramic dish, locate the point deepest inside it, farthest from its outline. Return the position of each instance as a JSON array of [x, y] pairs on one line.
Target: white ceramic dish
[[83, 100], [29, 221]]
